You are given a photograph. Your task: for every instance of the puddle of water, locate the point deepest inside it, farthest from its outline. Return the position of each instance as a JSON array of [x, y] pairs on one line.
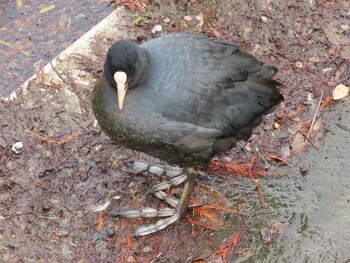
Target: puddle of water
[[40, 30]]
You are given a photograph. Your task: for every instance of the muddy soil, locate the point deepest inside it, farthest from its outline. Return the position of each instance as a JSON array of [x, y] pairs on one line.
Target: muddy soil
[[68, 164]]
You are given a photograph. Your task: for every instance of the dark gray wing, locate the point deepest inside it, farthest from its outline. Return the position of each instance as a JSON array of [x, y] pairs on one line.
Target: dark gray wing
[[216, 84]]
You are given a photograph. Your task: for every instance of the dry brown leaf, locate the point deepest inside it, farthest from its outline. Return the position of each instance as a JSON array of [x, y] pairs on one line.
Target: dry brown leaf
[[298, 143], [340, 92]]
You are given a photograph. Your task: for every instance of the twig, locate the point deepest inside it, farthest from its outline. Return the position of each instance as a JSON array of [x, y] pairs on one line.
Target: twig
[[314, 118], [59, 74]]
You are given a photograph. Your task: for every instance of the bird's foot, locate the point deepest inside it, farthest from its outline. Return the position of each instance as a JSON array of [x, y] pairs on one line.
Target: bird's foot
[[170, 215]]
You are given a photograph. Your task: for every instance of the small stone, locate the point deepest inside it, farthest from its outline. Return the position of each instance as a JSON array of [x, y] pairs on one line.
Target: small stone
[[45, 208], [147, 249], [304, 169], [131, 259], [110, 232], [18, 147], [227, 159], [48, 154], [96, 237], [81, 73], [248, 147], [298, 64], [166, 20], [2, 142], [62, 233], [344, 27], [264, 19], [156, 29]]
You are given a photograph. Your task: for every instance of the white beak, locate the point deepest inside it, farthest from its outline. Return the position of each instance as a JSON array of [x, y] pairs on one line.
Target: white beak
[[120, 78]]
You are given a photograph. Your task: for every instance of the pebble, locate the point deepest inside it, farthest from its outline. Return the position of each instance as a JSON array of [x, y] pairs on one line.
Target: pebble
[[156, 29], [18, 147], [264, 19], [147, 249], [45, 208], [298, 64], [304, 169], [110, 232], [63, 233]]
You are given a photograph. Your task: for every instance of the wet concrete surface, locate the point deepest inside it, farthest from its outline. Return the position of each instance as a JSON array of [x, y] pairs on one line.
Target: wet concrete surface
[[320, 216], [314, 209]]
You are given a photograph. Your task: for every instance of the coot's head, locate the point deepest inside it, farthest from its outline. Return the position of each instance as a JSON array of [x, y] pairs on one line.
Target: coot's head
[[125, 67]]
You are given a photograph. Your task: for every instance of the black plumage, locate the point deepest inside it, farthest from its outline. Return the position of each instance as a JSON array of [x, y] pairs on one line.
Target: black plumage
[[188, 98]]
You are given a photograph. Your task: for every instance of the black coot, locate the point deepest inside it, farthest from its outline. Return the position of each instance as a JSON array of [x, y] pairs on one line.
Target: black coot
[[182, 98]]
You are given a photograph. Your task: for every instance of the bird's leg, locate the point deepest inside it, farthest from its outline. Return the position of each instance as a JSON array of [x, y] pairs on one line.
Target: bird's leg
[[186, 194], [179, 209]]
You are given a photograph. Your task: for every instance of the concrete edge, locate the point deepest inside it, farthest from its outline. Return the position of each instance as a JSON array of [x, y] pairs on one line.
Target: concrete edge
[[83, 40]]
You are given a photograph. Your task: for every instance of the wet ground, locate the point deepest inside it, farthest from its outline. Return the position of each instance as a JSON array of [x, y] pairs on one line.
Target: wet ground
[[68, 163], [34, 32]]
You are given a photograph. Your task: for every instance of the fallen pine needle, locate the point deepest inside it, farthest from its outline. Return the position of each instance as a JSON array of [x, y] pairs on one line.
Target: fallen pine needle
[[132, 4], [100, 221], [128, 247], [49, 217], [206, 213], [270, 156], [328, 101], [236, 168], [66, 139], [218, 208], [34, 183], [225, 249], [192, 221], [255, 182]]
